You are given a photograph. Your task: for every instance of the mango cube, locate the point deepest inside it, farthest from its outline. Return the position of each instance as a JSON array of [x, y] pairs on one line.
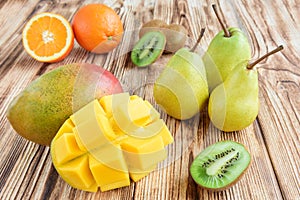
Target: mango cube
[[66, 148], [109, 102], [139, 112], [107, 177], [67, 127], [94, 132], [77, 173], [141, 154]]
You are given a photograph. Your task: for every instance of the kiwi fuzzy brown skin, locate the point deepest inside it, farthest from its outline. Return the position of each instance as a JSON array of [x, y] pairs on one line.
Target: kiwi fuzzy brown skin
[[153, 25], [176, 34], [231, 183]]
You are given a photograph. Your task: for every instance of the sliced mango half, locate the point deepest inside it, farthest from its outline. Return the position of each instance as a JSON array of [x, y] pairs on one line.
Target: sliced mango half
[[110, 141]]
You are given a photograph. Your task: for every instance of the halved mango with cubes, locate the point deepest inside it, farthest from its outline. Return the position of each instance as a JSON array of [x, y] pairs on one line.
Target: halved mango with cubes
[[110, 141]]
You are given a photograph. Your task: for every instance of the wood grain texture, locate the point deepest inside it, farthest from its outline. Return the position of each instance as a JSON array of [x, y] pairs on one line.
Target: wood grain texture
[[26, 170]]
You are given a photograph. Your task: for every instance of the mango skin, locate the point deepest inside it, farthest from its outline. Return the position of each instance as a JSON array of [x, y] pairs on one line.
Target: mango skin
[[38, 112]]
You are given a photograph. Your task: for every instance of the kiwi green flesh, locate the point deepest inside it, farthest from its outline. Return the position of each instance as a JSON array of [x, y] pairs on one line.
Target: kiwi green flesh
[[148, 49], [220, 165]]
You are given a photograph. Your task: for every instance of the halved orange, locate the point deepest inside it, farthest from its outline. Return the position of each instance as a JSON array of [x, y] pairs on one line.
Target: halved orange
[[48, 37]]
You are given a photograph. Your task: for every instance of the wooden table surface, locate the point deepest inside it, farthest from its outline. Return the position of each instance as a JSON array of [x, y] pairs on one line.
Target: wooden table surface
[[26, 170]]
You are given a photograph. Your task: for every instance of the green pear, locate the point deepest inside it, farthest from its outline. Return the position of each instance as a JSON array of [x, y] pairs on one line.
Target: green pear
[[228, 48], [234, 104], [181, 89]]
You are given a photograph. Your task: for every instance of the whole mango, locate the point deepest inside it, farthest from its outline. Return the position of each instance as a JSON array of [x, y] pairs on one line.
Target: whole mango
[[39, 111]]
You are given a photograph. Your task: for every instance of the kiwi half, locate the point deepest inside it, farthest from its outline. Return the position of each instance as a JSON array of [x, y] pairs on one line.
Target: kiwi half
[[148, 49], [220, 165]]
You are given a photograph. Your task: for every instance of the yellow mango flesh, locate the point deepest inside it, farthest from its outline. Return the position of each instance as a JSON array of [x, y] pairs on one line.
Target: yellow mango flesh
[[110, 141]]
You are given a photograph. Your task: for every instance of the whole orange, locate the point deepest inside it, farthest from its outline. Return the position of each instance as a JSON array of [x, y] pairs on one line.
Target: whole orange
[[97, 28]]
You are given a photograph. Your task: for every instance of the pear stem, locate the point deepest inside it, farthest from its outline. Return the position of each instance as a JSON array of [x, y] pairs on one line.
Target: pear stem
[[198, 40], [251, 65], [226, 32]]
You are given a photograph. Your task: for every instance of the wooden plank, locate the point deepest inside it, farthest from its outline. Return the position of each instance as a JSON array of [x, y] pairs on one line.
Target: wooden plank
[[26, 171], [279, 84]]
